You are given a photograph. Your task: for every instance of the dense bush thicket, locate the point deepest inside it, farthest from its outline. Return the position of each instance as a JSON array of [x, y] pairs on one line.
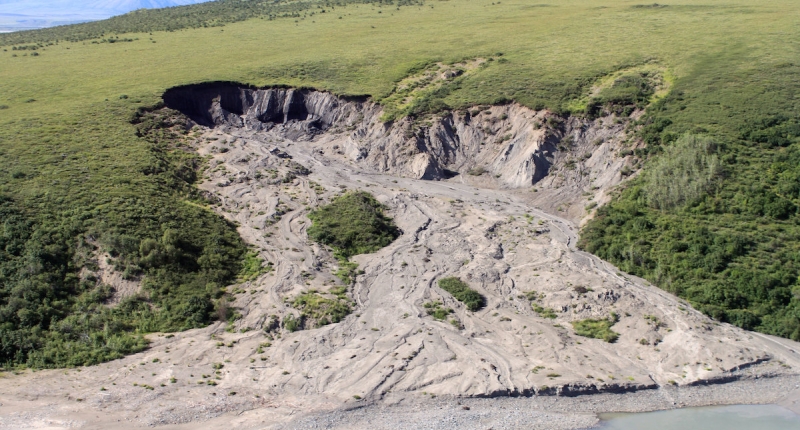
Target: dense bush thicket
[[54, 315], [687, 170], [210, 14], [352, 224], [714, 219]]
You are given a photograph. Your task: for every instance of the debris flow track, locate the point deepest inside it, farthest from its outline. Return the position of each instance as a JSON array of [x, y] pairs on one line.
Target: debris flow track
[[461, 189]]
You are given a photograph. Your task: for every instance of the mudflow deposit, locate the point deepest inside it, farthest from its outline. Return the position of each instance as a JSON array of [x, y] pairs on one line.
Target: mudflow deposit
[[491, 195]]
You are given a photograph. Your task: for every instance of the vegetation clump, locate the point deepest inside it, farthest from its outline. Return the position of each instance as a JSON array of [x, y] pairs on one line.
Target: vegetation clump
[[317, 310], [472, 299], [437, 310], [688, 170], [292, 323], [253, 267], [544, 312], [597, 328], [352, 224], [477, 171], [540, 310]]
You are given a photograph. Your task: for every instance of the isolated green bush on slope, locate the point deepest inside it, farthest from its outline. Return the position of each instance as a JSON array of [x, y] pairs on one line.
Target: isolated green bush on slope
[[472, 299], [597, 328], [352, 224]]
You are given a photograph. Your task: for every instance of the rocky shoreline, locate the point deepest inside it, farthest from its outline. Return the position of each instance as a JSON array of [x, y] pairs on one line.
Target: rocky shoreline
[[412, 411], [549, 411]]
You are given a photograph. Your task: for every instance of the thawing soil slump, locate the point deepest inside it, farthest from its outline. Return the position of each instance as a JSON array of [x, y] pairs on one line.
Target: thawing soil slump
[[464, 188], [490, 196]]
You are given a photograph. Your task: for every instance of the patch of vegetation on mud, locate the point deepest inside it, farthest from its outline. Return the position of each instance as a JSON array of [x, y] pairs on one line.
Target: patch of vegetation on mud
[[597, 328], [459, 289], [437, 310], [317, 310], [253, 267], [352, 224]]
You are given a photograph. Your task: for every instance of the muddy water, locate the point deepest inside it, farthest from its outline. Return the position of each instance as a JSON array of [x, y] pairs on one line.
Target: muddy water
[[739, 417]]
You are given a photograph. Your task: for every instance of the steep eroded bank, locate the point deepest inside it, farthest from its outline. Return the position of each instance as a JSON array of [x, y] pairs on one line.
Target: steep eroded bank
[[570, 163]]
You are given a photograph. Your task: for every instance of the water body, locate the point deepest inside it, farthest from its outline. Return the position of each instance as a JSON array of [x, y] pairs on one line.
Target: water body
[[16, 15], [739, 417]]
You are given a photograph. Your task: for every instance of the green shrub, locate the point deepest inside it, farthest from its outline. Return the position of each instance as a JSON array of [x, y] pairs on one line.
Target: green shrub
[[352, 224], [687, 170], [463, 293], [253, 267], [317, 310], [437, 311], [532, 295], [477, 171], [544, 312], [597, 328], [292, 323], [347, 271]]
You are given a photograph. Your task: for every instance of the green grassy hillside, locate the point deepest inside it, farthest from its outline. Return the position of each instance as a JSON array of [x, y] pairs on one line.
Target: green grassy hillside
[[76, 169]]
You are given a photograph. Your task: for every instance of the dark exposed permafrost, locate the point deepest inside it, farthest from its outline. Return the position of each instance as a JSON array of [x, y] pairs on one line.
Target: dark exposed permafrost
[[238, 105]]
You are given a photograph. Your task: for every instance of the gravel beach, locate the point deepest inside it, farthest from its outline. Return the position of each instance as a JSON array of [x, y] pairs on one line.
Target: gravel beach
[[547, 412]]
